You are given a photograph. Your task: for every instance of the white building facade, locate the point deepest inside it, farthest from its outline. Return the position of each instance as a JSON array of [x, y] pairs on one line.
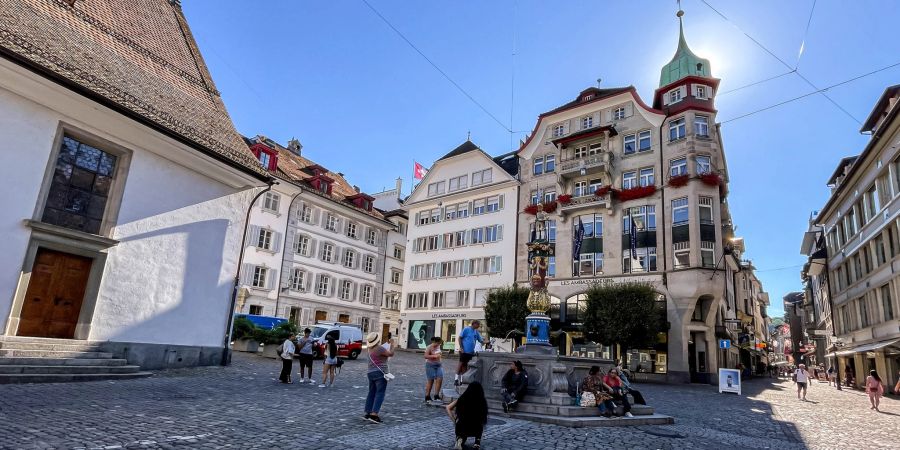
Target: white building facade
[[315, 249], [461, 244], [125, 224], [390, 202]]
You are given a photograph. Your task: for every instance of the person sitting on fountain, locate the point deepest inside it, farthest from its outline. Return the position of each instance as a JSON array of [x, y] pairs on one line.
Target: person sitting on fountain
[[629, 389], [514, 384], [594, 384], [620, 394]]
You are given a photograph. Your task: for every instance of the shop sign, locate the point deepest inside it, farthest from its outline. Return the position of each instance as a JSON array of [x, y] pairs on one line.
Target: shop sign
[[605, 281], [730, 381], [448, 316]]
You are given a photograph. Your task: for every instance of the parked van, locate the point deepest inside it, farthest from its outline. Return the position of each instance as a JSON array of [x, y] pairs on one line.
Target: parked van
[[348, 337]]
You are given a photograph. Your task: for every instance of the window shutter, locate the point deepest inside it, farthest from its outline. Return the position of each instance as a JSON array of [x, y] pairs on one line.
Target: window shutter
[[597, 116], [307, 281], [502, 196], [304, 316], [276, 241], [566, 127], [314, 215], [336, 256], [321, 255], [246, 274], [324, 221], [354, 295], [253, 236], [609, 115], [331, 286], [629, 109], [466, 266], [693, 90], [683, 90], [499, 232], [270, 283]]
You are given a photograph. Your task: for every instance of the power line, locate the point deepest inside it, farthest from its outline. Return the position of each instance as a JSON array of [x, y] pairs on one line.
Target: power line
[[785, 64], [755, 83], [818, 91], [779, 268], [435, 66]]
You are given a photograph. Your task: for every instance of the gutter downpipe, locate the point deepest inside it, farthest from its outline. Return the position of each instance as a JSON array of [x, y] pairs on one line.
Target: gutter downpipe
[[229, 327], [662, 193]]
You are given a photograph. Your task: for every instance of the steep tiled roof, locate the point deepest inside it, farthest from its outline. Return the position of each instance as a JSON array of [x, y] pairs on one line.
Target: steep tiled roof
[[291, 168], [137, 57]]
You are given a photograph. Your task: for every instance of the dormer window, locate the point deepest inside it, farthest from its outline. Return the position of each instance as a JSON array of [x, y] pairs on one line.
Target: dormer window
[[587, 97], [265, 159]]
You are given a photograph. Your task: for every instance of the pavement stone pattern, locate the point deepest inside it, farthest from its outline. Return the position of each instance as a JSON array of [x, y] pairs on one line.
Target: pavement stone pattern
[[241, 406]]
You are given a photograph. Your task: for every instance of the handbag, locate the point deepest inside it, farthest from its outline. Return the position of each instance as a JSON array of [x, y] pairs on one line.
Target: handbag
[[588, 400], [387, 375]]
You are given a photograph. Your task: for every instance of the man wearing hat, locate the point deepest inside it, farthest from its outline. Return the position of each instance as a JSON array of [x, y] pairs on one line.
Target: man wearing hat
[[378, 375]]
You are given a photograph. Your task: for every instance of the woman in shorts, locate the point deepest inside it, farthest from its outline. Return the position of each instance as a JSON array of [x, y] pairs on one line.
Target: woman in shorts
[[331, 357], [434, 372]]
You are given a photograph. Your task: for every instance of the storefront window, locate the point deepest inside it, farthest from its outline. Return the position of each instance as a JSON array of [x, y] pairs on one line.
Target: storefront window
[[448, 334]]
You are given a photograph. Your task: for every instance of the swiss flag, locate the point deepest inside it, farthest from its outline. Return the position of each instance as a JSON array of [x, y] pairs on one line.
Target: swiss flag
[[419, 171]]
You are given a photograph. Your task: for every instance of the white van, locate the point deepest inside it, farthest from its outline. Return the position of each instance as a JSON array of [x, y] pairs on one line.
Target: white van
[[348, 337]]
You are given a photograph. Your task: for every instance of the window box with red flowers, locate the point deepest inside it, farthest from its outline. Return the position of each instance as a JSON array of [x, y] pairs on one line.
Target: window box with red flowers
[[530, 209], [602, 191], [550, 207], [679, 180], [564, 199], [636, 193], [711, 179]]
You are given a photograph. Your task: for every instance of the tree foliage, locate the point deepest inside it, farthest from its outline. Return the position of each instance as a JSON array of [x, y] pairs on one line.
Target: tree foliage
[[506, 309], [627, 314]]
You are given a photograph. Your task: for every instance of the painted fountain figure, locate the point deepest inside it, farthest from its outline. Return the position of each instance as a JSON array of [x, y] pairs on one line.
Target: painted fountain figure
[[537, 329]]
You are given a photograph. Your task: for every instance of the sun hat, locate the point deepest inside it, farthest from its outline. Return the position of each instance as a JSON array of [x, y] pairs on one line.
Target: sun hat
[[372, 339]]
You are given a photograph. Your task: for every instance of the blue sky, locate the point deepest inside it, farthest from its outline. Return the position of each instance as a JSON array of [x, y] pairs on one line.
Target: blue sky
[[335, 76]]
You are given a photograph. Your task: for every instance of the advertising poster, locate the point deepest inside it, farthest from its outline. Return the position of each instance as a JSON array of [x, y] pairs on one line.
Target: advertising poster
[[730, 381], [420, 334]]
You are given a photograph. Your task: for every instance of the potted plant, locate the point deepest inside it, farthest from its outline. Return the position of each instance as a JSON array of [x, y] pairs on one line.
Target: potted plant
[[273, 338], [636, 192], [549, 207], [679, 180], [244, 336], [711, 179], [564, 199]]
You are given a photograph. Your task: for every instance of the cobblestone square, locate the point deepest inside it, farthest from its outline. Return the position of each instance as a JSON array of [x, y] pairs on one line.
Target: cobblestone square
[[242, 407]]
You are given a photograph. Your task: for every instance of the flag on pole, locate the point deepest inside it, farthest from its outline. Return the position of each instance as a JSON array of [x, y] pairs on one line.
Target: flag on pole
[[579, 237], [633, 237], [419, 171]]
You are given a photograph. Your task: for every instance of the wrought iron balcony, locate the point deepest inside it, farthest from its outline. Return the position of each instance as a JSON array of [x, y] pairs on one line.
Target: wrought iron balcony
[[587, 201]]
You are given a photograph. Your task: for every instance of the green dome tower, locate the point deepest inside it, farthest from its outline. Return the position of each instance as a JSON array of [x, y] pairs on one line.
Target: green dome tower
[[685, 62]]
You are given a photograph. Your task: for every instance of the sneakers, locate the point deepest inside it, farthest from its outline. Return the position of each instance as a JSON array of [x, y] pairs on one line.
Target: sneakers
[[373, 418], [459, 444], [505, 407], [311, 381], [456, 382], [321, 385], [628, 414], [513, 402], [428, 400]]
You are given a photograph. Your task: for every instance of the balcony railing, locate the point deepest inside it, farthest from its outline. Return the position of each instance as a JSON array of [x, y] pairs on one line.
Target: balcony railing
[[586, 201], [591, 164]]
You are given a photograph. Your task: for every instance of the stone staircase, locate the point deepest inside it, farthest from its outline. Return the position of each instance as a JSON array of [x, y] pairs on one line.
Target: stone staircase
[[42, 360]]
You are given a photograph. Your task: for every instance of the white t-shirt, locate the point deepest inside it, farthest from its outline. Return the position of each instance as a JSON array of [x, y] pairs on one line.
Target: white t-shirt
[[287, 349], [802, 376]]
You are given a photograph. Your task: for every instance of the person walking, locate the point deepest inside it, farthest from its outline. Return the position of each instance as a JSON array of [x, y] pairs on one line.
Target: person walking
[[287, 358], [331, 358], [875, 389], [830, 374], [801, 377], [434, 372], [378, 376], [469, 414], [305, 357], [466, 344], [514, 383]]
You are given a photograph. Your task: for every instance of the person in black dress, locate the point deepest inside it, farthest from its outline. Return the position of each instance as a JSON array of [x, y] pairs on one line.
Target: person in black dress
[[469, 412]]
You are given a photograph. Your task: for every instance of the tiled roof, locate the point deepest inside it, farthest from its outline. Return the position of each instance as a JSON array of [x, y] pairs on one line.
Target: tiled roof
[[136, 56], [465, 147], [291, 167], [588, 95]]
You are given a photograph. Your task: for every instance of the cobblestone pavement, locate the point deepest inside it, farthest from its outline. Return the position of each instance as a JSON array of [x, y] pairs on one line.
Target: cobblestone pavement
[[242, 407]]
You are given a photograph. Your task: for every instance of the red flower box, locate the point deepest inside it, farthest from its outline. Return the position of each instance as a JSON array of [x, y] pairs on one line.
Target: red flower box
[[565, 199], [711, 179], [549, 207], [600, 192], [679, 180], [635, 193], [530, 209]]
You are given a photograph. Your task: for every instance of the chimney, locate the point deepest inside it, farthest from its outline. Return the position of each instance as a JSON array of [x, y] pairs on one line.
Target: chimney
[[294, 146], [340, 174], [356, 188], [399, 186]]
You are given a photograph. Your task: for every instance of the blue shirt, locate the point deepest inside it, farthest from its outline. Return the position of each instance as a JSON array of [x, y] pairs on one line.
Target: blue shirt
[[467, 339]]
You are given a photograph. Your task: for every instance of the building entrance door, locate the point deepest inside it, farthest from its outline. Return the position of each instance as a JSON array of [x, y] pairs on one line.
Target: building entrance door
[[54, 295], [385, 330]]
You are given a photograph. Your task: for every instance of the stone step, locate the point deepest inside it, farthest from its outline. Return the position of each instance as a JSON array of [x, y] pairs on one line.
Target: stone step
[[68, 377], [577, 422], [52, 354], [575, 411], [21, 361], [71, 369], [68, 346]]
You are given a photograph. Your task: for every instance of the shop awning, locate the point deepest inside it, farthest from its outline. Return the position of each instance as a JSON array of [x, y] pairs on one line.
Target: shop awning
[[863, 348]]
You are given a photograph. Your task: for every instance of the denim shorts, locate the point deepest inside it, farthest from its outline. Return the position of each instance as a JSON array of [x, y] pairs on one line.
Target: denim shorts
[[331, 361], [433, 372]]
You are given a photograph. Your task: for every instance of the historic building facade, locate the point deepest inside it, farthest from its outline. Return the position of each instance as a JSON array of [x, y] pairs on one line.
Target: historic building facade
[[315, 250], [861, 224], [461, 243], [131, 183], [639, 193]]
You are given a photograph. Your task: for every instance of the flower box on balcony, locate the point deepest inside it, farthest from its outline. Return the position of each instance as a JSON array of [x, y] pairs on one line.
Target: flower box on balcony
[[635, 193], [565, 199], [549, 207], [679, 180], [530, 209], [602, 191], [711, 179]]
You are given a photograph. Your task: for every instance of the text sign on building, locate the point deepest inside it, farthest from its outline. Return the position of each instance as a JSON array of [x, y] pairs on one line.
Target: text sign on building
[[604, 281], [448, 316], [724, 343]]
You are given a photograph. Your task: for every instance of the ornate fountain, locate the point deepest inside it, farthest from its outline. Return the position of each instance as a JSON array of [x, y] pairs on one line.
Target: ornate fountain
[[537, 328]]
